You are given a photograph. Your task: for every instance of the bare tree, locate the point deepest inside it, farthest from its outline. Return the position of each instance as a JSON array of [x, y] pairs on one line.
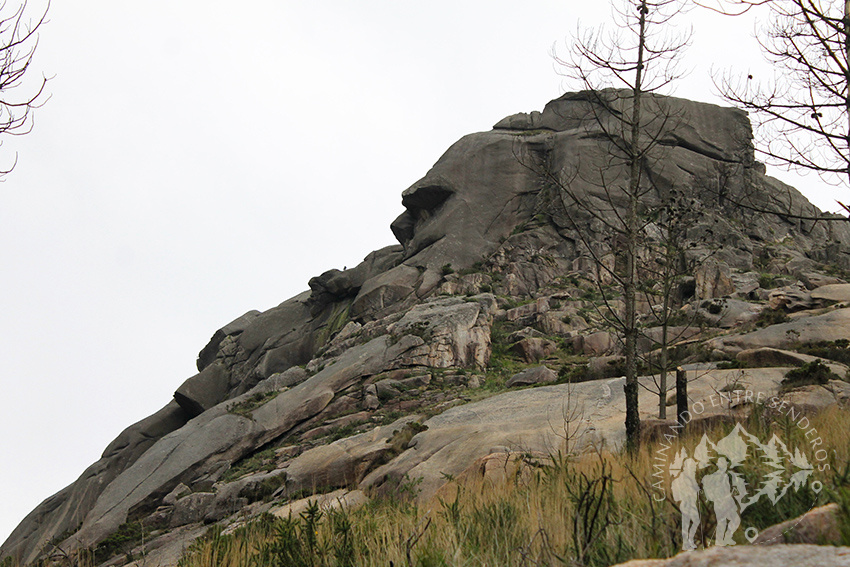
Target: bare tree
[[669, 261], [18, 43], [802, 115], [640, 57]]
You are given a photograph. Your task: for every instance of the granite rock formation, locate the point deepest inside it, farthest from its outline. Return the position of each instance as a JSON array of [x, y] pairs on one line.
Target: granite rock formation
[[313, 388]]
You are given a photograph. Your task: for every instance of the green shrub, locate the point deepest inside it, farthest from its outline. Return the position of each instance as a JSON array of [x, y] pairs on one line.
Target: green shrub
[[475, 268], [572, 374], [123, 540], [264, 460], [447, 269], [838, 351], [815, 372], [770, 317], [766, 281], [264, 489], [246, 408], [840, 493]]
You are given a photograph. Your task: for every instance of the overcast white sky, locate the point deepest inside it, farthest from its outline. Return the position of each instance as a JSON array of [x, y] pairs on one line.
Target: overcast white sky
[[199, 159]]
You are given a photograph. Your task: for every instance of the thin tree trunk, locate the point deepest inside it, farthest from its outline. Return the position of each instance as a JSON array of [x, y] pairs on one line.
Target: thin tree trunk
[[630, 283], [681, 397], [847, 77], [662, 379]]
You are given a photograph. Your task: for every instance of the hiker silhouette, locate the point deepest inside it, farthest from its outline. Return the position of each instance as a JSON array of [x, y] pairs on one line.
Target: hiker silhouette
[[685, 491], [717, 487]]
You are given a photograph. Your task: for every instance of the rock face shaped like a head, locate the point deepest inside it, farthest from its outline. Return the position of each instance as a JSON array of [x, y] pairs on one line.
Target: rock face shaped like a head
[[489, 183], [466, 205], [494, 197]]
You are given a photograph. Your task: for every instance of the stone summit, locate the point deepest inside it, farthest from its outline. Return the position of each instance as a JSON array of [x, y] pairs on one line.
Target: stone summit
[[438, 352]]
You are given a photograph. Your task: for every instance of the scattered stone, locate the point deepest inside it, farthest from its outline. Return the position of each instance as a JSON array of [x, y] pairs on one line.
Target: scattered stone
[[529, 376], [817, 527], [191, 508], [814, 280], [533, 350], [790, 298], [595, 344], [338, 499], [834, 292]]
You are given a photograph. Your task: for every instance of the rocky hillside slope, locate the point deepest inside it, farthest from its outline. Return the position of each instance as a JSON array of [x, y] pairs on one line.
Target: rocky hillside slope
[[407, 366]]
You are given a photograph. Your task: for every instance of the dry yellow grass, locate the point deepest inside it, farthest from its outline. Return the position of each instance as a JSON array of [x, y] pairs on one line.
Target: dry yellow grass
[[593, 509]]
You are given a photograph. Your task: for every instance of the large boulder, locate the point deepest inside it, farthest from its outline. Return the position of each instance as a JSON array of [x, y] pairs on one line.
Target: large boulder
[[839, 292], [455, 332], [347, 461], [530, 376], [819, 526], [790, 298], [830, 326], [533, 349], [204, 390], [754, 556]]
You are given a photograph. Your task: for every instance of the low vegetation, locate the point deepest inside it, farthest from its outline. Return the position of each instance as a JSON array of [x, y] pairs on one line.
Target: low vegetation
[[839, 350], [590, 510], [246, 407], [815, 372]]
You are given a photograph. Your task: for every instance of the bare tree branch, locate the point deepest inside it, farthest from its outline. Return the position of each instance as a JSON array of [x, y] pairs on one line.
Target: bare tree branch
[[801, 114]]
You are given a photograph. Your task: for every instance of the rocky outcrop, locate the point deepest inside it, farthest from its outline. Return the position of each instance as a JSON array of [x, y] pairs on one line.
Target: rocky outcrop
[[819, 526], [831, 326], [313, 388], [530, 376], [542, 419], [754, 556], [454, 332], [839, 292]]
